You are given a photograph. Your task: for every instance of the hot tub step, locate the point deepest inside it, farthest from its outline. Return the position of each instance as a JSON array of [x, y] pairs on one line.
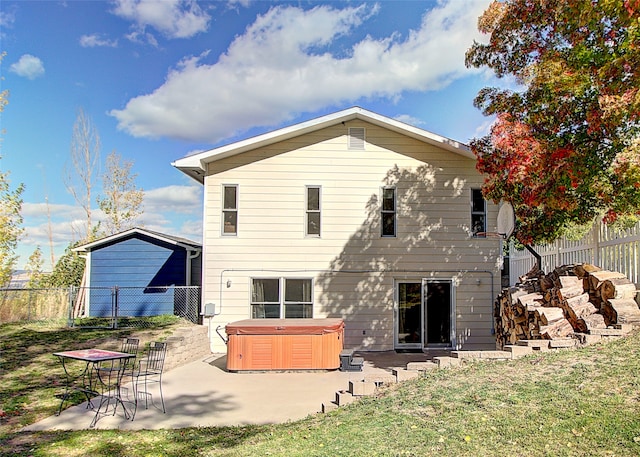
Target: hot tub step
[[356, 364], [350, 363]]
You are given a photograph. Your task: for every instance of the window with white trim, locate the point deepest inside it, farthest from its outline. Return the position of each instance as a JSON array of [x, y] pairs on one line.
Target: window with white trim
[[273, 298], [478, 213], [388, 211], [312, 215], [230, 209]]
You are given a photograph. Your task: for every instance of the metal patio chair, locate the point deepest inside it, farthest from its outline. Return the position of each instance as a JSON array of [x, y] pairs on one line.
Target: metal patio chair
[[149, 370], [130, 346], [111, 375]]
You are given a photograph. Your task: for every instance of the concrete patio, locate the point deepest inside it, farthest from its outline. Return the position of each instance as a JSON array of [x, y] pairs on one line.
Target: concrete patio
[[203, 394]]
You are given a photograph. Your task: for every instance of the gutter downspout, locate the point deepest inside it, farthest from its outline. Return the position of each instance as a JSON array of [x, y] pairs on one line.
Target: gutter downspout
[[190, 256]]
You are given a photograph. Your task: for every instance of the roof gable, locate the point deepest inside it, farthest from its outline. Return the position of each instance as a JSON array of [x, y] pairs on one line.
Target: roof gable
[[170, 239], [195, 165]]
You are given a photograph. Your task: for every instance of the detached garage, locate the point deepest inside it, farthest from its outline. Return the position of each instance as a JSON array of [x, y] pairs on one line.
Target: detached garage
[[141, 273]]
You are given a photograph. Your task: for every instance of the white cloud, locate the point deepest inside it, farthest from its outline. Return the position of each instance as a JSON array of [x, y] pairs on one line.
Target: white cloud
[[95, 40], [175, 210], [484, 128], [411, 120], [175, 199], [56, 231], [173, 18], [192, 229], [282, 66], [7, 18], [142, 38], [244, 3], [28, 66]]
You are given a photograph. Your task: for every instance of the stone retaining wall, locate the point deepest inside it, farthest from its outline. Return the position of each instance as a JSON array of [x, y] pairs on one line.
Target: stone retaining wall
[[185, 345]]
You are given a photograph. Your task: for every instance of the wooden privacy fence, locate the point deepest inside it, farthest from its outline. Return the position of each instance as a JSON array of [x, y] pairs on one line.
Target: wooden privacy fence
[[603, 246]]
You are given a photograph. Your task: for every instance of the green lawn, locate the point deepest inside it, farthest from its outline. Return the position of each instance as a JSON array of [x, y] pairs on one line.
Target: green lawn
[[568, 403]]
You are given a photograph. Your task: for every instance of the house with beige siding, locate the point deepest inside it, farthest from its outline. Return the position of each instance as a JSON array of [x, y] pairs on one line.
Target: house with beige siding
[[352, 215]]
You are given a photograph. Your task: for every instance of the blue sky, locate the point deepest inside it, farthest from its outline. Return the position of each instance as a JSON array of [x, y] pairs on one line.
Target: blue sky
[[161, 79]]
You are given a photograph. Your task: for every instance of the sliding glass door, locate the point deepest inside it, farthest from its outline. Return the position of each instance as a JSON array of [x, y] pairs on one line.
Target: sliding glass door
[[424, 314]]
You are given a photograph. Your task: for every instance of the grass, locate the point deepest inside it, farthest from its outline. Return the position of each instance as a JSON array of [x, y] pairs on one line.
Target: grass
[[30, 376], [569, 403]]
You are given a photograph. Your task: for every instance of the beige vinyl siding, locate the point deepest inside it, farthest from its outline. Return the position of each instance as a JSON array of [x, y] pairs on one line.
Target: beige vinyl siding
[[433, 230]]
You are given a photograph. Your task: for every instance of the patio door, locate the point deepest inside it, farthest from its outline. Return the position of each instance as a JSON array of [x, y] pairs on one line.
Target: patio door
[[424, 314]]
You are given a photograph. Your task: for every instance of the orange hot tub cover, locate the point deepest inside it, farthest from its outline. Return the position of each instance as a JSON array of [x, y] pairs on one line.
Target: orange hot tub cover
[[284, 344]]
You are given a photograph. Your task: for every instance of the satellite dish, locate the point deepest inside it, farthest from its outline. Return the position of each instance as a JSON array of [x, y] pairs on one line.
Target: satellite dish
[[506, 220]]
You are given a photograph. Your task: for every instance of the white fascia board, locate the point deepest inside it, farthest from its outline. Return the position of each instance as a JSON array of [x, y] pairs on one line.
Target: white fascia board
[[89, 246], [195, 165]]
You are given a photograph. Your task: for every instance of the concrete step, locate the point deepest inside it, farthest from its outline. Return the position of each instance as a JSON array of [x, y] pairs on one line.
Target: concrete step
[[474, 355], [536, 345], [609, 331], [518, 351], [446, 361], [361, 388], [329, 406], [344, 398], [586, 339], [421, 366], [563, 343], [380, 378], [402, 374]]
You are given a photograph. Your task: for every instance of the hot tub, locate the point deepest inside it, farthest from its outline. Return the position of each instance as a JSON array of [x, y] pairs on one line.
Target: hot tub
[[284, 344]]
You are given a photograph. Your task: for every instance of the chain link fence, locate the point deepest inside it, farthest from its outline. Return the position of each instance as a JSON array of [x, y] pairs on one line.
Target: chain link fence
[[110, 307]]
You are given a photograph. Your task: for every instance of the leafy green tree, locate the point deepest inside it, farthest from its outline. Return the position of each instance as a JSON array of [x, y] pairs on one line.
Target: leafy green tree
[[122, 203], [34, 267], [565, 147], [10, 214], [10, 226], [68, 270]]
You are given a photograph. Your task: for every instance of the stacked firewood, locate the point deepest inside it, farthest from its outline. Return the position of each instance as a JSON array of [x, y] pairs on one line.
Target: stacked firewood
[[571, 299]]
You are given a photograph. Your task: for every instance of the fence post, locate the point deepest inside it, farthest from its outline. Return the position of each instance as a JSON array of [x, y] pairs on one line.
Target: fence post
[[71, 294], [597, 238], [29, 306], [114, 296]]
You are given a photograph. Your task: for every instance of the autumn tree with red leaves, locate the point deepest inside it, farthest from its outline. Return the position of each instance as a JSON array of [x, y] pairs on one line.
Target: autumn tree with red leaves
[[565, 146]]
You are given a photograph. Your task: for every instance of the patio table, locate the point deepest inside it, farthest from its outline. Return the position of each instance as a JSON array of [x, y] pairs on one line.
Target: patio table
[[101, 376]]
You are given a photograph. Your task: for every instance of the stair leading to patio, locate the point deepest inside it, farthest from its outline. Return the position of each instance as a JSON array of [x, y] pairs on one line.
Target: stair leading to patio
[[378, 370]]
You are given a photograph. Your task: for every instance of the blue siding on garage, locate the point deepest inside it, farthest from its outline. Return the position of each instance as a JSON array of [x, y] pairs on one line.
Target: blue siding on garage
[[141, 267]]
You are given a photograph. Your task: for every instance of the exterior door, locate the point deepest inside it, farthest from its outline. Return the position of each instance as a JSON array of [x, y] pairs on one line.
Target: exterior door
[[423, 316], [409, 323], [437, 306]]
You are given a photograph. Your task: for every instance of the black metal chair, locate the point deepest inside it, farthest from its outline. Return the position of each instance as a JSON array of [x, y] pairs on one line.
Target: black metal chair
[[130, 346], [111, 375], [150, 371]]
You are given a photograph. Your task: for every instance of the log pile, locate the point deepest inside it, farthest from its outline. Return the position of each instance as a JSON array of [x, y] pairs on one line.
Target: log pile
[[571, 299]]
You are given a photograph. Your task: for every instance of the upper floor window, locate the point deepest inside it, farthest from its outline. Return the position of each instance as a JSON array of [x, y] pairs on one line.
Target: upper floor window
[[388, 212], [268, 301], [230, 209], [478, 213], [313, 211]]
